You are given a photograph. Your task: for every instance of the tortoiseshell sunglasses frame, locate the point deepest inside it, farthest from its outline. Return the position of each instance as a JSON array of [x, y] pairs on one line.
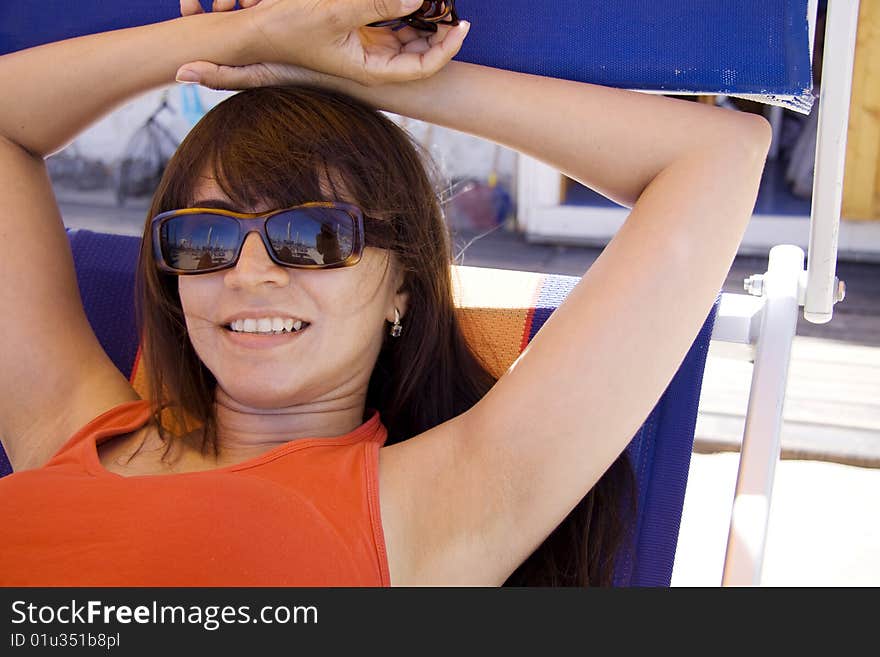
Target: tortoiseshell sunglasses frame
[[418, 20], [256, 222]]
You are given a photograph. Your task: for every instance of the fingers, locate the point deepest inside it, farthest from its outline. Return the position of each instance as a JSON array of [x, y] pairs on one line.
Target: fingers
[[422, 41], [212, 76], [363, 12], [409, 34], [189, 7], [422, 58]]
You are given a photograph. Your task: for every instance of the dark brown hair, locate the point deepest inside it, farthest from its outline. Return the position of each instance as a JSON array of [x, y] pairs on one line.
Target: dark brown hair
[[268, 145]]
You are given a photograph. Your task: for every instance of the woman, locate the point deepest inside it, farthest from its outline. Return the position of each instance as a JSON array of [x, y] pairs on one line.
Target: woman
[[278, 469]]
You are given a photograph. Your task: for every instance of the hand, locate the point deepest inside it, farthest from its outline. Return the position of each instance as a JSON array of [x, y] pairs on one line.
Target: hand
[[336, 45]]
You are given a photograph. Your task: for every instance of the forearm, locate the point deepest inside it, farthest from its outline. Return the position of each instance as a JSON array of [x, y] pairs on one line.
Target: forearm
[[612, 140], [55, 91]]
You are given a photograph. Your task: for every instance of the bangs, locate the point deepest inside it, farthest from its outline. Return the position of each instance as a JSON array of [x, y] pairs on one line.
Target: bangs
[[274, 177]]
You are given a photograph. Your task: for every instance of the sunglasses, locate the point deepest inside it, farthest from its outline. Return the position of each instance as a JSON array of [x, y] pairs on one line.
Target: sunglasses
[[428, 17], [318, 235]]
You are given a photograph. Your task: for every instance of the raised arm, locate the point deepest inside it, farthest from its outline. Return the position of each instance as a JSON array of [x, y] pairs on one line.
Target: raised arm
[[55, 376], [543, 436]]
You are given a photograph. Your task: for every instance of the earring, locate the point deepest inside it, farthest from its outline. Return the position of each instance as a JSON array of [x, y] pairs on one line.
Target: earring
[[395, 330]]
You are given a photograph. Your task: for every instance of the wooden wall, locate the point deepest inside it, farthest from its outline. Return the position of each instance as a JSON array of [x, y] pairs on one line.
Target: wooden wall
[[861, 181]]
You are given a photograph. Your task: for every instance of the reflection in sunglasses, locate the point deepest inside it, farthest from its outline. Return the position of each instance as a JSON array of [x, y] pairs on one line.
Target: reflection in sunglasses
[[323, 246], [305, 236]]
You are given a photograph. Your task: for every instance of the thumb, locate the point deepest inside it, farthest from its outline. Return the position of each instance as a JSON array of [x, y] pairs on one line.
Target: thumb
[[372, 11], [213, 76]]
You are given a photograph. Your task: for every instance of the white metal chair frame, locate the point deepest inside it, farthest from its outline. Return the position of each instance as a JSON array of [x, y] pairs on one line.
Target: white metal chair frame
[[758, 326]]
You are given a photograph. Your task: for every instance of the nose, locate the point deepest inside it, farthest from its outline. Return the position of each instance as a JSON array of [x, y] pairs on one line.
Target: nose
[[254, 265]]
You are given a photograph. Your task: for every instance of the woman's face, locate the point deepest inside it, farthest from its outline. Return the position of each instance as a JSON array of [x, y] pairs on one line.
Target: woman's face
[[331, 359]]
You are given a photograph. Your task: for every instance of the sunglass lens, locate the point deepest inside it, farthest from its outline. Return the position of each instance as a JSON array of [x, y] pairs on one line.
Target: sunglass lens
[[312, 236], [195, 242]]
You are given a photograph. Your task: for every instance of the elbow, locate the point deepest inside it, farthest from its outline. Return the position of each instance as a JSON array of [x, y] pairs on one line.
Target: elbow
[[746, 140], [758, 134]]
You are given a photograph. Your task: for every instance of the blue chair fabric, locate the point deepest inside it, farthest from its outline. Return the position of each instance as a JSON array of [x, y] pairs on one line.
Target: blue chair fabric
[[660, 453], [756, 47]]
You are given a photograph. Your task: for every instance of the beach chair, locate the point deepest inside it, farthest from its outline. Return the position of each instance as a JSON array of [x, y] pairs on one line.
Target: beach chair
[[756, 49], [501, 311]]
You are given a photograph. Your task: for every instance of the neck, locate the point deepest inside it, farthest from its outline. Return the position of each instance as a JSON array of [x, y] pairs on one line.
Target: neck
[[245, 432]]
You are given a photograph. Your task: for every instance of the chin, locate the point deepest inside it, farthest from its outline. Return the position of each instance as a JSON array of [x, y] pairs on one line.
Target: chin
[[265, 397]]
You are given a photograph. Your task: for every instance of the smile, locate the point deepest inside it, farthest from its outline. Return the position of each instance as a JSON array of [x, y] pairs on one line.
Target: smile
[[262, 340]]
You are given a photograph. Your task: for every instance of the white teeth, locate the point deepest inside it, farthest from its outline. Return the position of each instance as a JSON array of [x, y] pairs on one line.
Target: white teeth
[[274, 325]]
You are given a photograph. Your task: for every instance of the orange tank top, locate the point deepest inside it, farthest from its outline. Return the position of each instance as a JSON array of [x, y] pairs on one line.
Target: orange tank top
[[305, 513]]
